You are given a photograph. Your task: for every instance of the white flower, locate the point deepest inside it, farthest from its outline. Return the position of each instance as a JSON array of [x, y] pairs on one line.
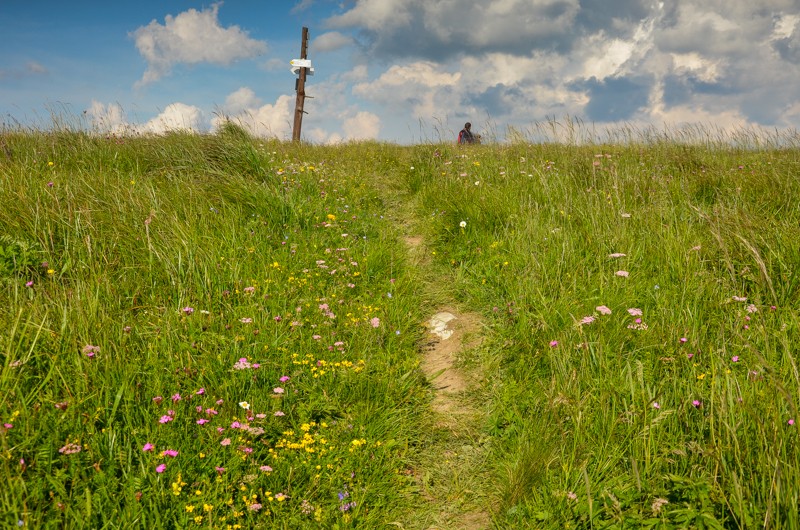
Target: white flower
[[245, 405], [462, 224]]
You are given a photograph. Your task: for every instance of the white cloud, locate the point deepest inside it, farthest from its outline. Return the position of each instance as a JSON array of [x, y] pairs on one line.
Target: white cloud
[[108, 118], [362, 126], [189, 38], [176, 117], [266, 121], [331, 41], [240, 101]]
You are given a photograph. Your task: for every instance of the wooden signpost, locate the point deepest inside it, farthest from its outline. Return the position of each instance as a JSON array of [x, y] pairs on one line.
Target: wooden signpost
[[302, 67]]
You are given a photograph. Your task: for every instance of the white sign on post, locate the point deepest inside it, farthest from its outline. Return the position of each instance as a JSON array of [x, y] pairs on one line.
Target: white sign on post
[[301, 63]]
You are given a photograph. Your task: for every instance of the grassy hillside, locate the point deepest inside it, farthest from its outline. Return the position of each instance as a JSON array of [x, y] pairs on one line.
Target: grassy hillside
[[216, 330]]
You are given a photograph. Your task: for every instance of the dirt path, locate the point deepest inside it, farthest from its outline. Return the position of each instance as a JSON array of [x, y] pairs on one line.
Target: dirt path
[[449, 475]]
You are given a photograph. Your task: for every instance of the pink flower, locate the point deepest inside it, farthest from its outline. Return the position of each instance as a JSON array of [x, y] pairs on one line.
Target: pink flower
[[187, 310], [622, 274], [603, 310], [172, 453], [279, 413], [157, 400], [226, 442], [375, 322], [587, 320], [553, 343], [161, 468], [683, 340], [267, 469], [8, 426], [656, 405], [165, 419], [790, 422], [219, 470], [147, 447], [634, 311], [284, 378], [697, 403], [278, 390], [202, 421], [735, 358], [176, 398], [29, 283], [201, 392]]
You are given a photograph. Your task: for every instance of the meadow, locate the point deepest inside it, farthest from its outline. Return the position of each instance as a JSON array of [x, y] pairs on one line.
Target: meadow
[[217, 331]]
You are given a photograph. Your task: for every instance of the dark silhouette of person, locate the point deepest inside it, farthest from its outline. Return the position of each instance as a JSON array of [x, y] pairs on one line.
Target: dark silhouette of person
[[466, 136]]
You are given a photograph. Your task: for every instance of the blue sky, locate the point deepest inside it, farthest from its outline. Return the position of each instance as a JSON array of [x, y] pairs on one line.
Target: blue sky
[[400, 70]]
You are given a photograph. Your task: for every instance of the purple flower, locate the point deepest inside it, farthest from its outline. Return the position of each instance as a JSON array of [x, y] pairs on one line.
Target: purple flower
[[176, 398], [161, 468], [187, 310], [697, 403], [165, 419]]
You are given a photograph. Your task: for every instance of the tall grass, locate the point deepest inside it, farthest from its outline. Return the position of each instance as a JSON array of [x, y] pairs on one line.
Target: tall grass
[[631, 382], [249, 305]]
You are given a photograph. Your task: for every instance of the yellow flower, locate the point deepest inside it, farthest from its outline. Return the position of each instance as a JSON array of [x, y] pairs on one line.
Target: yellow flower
[[189, 508], [50, 271], [208, 507], [198, 519]]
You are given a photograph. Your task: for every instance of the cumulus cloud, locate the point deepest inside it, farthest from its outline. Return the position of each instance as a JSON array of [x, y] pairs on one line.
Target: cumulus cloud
[[191, 37], [264, 120], [108, 118], [520, 61], [176, 117], [363, 126], [331, 41]]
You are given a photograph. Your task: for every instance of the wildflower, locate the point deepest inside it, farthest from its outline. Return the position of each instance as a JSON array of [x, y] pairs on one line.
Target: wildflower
[[617, 255], [242, 364], [553, 343], [280, 497], [157, 400], [165, 419], [8, 426], [29, 283], [375, 322], [683, 340], [791, 421], [279, 413], [697, 403], [147, 447], [172, 453], [634, 311], [735, 358], [254, 507], [751, 308], [603, 310], [246, 320], [249, 290], [462, 224], [284, 378], [245, 405], [202, 421], [658, 504], [187, 310], [219, 470], [62, 406], [226, 442], [161, 468], [656, 405], [201, 392], [626, 215], [622, 274], [572, 496], [587, 320], [265, 469], [740, 299], [90, 350], [176, 397], [278, 390], [68, 449]]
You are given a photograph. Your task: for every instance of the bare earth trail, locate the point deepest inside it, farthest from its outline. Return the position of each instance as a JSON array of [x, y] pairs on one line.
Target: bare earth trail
[[449, 474]]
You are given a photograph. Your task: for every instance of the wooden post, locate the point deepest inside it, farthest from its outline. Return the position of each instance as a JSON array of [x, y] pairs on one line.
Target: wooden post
[[301, 90]]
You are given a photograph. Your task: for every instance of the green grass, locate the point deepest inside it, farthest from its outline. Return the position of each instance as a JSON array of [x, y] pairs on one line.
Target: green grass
[[183, 262]]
